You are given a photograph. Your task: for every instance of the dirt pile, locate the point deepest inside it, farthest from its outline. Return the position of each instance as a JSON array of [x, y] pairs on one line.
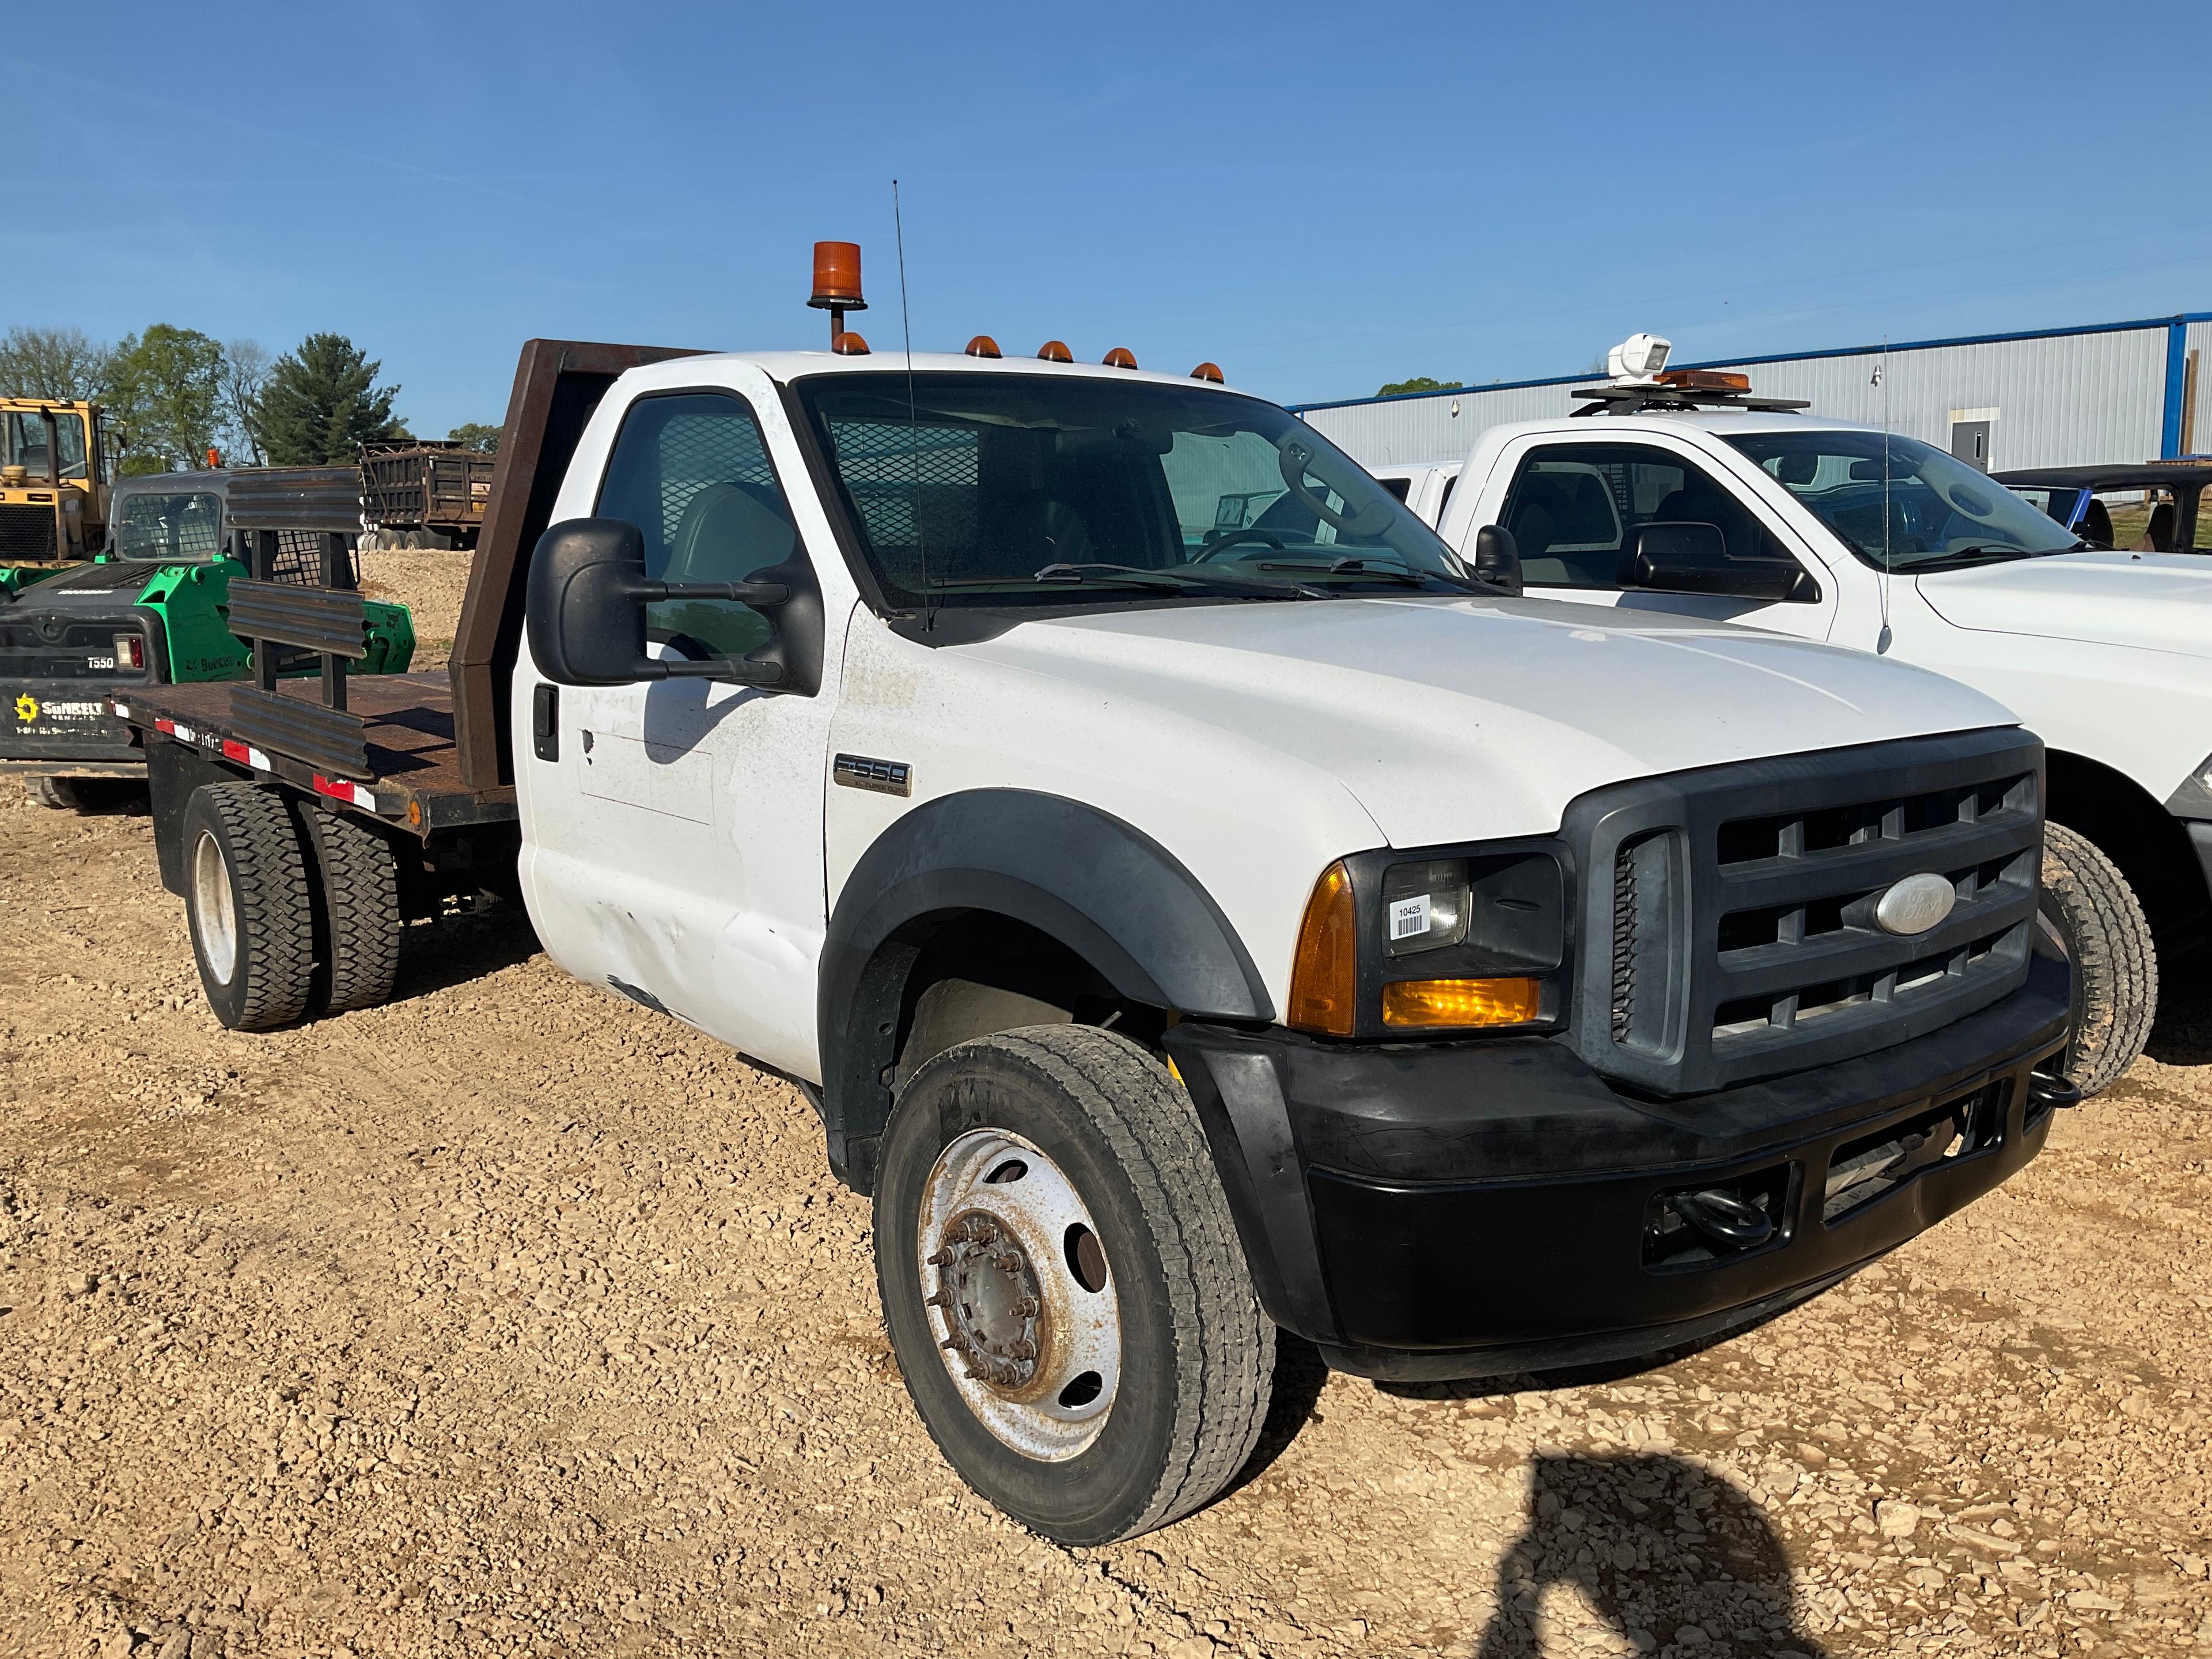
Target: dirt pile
[[514, 1319]]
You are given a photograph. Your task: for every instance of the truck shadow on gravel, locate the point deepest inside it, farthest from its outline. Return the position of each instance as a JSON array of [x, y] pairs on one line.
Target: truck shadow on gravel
[[1665, 1553], [2183, 1033], [452, 951]]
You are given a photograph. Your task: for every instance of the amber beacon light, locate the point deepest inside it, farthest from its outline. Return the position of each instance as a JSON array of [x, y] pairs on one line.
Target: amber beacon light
[[1325, 970], [837, 283]]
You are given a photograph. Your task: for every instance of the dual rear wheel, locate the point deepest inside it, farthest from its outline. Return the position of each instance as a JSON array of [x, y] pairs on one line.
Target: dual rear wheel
[[292, 907]]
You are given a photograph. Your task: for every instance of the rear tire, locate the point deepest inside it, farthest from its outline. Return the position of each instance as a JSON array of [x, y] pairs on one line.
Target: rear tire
[[357, 884], [2086, 899], [57, 794], [1096, 1121], [246, 896]]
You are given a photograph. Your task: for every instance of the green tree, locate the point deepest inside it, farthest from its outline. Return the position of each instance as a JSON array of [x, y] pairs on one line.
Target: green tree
[[53, 363], [165, 387], [1418, 383], [321, 403], [475, 434]]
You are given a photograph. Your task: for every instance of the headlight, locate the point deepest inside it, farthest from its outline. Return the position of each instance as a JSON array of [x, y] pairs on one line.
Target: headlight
[[1455, 940], [1425, 906]]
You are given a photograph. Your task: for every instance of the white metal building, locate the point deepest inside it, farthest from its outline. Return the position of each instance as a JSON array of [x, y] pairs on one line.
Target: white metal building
[[2060, 397]]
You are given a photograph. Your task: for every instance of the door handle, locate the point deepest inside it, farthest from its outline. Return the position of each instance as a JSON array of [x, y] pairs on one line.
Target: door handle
[[545, 722]]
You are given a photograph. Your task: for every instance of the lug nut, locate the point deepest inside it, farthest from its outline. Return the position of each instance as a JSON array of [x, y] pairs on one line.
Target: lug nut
[[1025, 1307], [942, 1258], [1006, 1261], [940, 1300], [1021, 1348]]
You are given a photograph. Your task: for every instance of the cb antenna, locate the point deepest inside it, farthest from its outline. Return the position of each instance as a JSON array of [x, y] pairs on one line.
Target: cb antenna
[[913, 426], [1888, 556]]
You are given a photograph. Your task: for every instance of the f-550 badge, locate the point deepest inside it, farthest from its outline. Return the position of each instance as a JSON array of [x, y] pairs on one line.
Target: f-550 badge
[[27, 708]]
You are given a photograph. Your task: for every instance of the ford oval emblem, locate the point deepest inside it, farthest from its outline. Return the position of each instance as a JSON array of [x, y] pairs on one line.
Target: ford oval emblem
[[1915, 904]]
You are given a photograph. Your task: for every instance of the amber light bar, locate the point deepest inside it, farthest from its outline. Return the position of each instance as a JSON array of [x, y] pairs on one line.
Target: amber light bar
[[1706, 379], [1427, 1003]]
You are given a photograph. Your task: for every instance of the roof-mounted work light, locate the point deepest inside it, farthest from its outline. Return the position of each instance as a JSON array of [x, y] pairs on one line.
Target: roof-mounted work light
[[1637, 359]]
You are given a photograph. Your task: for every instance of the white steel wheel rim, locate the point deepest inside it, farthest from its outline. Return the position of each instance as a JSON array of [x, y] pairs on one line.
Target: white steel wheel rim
[[215, 920], [1053, 1404]]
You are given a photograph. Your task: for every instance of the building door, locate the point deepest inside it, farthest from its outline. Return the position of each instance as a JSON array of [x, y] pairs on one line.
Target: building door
[[1970, 442]]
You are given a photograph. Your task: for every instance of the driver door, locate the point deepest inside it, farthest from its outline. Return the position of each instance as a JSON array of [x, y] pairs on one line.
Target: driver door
[[675, 851], [1574, 509]]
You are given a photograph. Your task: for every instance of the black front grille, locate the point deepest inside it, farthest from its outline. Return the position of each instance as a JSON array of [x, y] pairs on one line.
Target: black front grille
[[1733, 909], [26, 532]]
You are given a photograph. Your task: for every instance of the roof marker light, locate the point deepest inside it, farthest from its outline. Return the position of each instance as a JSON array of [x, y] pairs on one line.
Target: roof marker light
[[1120, 357], [1207, 372], [984, 346], [1055, 351], [849, 345]]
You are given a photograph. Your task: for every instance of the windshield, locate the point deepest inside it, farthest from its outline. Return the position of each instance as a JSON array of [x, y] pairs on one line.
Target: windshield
[[23, 440], [169, 528], [1011, 489], [1926, 511]]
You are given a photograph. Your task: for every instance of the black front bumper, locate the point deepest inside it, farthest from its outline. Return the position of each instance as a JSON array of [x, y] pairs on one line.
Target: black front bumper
[[1481, 1208]]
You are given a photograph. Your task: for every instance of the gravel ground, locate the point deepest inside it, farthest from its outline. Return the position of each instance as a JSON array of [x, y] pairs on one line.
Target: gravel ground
[[513, 1319]]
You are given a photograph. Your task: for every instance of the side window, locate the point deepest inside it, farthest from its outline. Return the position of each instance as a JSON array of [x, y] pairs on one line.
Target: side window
[[1398, 487], [691, 471], [1574, 511]]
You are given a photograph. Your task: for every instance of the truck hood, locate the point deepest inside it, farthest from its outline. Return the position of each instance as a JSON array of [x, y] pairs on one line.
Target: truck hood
[[2156, 601], [1454, 719]]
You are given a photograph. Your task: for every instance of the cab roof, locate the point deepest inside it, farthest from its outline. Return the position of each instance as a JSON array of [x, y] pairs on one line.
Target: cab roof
[[785, 366]]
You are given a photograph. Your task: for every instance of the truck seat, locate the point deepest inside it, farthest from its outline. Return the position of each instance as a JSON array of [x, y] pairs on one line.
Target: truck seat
[[725, 534]]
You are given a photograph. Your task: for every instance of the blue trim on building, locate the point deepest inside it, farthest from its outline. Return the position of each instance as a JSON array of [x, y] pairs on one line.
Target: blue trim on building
[[2175, 326], [2177, 378]]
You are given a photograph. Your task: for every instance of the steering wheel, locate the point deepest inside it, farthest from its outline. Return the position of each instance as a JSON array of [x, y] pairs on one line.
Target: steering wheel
[[1219, 540], [1294, 455]]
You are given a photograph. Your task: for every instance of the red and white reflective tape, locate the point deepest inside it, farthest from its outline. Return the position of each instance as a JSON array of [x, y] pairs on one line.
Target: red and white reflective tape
[[245, 755], [340, 789], [122, 709], [181, 733]]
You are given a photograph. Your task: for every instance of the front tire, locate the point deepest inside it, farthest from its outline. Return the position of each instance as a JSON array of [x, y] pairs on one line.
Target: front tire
[[1064, 1287], [246, 896], [2107, 941]]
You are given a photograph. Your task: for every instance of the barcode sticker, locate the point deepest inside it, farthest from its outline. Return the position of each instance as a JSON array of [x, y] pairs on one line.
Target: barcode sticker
[[1409, 917]]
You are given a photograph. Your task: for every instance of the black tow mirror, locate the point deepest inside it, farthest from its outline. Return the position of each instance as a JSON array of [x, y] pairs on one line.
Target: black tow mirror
[[1692, 558], [1496, 560], [585, 613]]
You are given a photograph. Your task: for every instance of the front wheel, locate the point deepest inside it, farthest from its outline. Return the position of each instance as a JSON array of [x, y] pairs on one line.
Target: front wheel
[[1063, 1285], [2088, 902]]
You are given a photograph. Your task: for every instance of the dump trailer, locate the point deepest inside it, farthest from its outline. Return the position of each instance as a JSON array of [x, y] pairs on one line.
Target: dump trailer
[[1185, 931], [416, 487], [156, 607]]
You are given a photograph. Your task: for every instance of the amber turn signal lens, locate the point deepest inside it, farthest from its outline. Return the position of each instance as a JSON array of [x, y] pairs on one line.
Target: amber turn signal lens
[[1207, 372], [849, 345], [1120, 357], [1429, 1003], [1325, 971], [982, 346], [1055, 351]]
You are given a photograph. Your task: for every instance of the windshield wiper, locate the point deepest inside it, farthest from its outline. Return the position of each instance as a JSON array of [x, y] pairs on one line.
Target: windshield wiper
[[1390, 569], [1980, 553], [1171, 581]]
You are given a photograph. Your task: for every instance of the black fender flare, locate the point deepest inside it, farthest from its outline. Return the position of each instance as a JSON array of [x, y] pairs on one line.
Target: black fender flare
[[1099, 885]]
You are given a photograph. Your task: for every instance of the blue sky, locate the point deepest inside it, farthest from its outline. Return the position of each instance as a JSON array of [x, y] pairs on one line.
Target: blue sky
[[1319, 197]]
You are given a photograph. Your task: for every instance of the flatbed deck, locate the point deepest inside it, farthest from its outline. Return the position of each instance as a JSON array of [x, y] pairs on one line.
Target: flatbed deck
[[415, 776]]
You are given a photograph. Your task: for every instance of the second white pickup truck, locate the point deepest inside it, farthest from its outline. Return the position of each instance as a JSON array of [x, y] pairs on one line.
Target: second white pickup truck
[[1683, 495]]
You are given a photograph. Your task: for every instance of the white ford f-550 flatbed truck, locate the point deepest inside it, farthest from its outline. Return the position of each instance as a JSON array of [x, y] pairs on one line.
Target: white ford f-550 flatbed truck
[[1684, 494], [1185, 931]]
